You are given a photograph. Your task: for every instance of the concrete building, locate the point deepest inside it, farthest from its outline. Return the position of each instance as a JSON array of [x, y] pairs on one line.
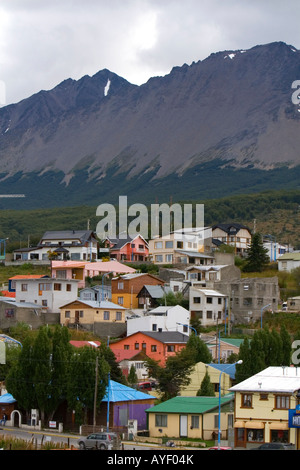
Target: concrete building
[[207, 305], [12, 313], [248, 298]]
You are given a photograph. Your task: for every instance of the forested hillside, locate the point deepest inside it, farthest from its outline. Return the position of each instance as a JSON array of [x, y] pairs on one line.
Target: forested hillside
[[272, 212]]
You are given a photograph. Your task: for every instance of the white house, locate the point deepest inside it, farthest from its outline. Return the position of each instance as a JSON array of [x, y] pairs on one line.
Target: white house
[[48, 292], [289, 261], [76, 245], [163, 318], [207, 305]]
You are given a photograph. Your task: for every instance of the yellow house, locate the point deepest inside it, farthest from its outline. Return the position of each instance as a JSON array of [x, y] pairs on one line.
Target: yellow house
[[263, 403], [214, 371], [81, 312], [191, 417]]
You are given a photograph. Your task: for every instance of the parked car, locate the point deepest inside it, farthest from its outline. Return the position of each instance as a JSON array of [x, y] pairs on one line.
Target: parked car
[[275, 446], [100, 440]]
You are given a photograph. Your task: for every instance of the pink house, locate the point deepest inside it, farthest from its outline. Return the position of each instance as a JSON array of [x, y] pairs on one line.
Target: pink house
[[81, 270], [129, 249]]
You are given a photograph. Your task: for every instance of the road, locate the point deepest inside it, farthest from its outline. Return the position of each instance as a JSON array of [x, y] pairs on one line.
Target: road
[[69, 440]]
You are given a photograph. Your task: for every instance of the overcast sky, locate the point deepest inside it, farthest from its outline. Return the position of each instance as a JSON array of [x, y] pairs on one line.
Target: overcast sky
[[43, 42]]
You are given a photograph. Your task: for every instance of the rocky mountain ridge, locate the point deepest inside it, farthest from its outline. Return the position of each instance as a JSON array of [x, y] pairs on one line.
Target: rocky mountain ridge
[[229, 113]]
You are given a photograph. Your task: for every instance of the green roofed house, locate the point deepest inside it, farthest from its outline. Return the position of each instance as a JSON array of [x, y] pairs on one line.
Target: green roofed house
[[191, 417]]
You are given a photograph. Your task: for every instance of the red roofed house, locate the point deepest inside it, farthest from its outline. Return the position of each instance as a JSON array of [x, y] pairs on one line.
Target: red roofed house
[[127, 358]]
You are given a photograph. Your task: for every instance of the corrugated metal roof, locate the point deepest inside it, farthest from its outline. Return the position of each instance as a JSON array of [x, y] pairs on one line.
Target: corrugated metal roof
[[119, 392], [272, 379], [196, 405]]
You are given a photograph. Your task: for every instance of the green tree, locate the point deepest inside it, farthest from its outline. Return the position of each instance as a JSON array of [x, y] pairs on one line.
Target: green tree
[[41, 357], [115, 370], [60, 359], [88, 372], [207, 388], [286, 346], [198, 349], [132, 377], [175, 374], [20, 382], [257, 257]]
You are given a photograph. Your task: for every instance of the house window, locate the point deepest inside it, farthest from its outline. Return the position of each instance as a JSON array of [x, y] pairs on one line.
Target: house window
[[246, 400], [209, 314], [24, 287], [179, 245], [169, 258], [263, 396], [126, 346], [153, 348], [195, 422], [44, 303], [159, 258], [106, 315], [154, 327], [120, 285], [220, 300], [158, 245], [118, 316], [169, 244], [209, 300], [44, 286], [197, 300], [120, 300], [67, 314], [161, 421], [136, 345], [282, 402], [68, 287], [57, 286], [170, 348]]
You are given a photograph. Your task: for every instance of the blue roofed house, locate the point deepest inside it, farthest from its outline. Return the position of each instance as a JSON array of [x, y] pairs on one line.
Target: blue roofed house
[[125, 404]]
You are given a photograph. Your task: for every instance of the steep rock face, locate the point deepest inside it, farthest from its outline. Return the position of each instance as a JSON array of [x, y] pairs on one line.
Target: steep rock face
[[234, 107]]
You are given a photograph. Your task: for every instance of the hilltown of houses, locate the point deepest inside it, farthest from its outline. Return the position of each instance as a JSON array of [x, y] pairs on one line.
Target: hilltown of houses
[[130, 307]]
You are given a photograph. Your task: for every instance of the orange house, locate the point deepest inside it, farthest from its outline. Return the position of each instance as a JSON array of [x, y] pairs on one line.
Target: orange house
[[156, 345]]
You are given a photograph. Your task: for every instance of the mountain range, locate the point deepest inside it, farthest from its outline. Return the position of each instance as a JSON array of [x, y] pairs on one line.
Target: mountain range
[[221, 126]]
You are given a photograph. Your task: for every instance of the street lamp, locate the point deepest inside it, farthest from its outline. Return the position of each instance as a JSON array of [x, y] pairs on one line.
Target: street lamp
[[261, 313], [188, 326], [219, 419]]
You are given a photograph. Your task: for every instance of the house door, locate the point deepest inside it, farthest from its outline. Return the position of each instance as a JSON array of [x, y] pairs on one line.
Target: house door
[[76, 316], [240, 436], [183, 426]]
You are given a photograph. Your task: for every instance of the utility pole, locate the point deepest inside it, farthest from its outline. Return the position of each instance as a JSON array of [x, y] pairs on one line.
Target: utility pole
[[95, 393]]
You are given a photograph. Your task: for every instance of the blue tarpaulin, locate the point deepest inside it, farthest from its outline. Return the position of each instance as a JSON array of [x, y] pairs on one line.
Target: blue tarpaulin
[[7, 398], [120, 392]]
